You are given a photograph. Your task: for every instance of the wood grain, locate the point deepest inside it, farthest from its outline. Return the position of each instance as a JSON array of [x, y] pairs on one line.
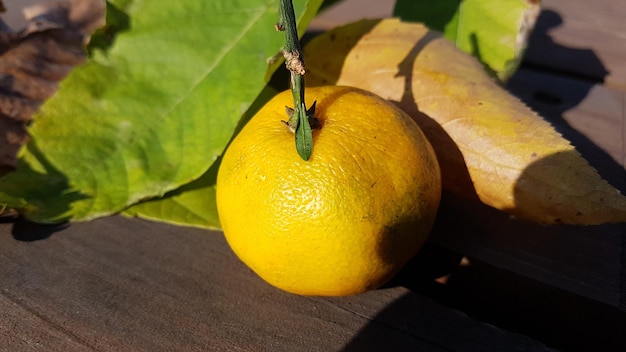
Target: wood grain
[[120, 284], [582, 39]]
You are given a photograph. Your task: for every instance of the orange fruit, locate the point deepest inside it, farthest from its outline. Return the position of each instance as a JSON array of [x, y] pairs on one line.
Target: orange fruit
[[343, 222]]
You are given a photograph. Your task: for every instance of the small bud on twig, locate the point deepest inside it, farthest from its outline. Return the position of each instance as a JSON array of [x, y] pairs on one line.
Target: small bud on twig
[[293, 62]]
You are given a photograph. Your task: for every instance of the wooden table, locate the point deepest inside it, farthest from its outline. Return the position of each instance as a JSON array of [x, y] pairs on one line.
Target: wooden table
[[118, 284]]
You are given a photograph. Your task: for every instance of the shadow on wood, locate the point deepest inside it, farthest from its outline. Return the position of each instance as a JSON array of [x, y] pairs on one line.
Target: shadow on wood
[[544, 51], [497, 298], [26, 231], [553, 92]]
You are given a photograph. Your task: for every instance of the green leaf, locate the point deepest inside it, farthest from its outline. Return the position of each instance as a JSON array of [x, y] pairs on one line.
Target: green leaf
[[152, 110], [304, 134], [494, 31], [194, 204]]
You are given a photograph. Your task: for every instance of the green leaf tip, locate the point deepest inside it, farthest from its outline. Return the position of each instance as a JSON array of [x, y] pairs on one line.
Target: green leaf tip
[[304, 135]]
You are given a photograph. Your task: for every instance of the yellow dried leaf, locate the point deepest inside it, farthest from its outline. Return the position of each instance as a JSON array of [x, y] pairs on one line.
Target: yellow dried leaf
[[489, 144]]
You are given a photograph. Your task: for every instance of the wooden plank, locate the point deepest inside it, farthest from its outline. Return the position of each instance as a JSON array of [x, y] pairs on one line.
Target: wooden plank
[[589, 115], [586, 261], [23, 330], [416, 316], [120, 284], [347, 11], [583, 39], [487, 293]]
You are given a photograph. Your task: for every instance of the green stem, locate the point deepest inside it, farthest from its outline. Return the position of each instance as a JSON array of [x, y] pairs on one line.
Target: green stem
[[299, 117]]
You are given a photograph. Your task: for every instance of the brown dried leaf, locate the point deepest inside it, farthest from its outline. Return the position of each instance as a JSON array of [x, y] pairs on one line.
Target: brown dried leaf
[[489, 144], [33, 61]]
